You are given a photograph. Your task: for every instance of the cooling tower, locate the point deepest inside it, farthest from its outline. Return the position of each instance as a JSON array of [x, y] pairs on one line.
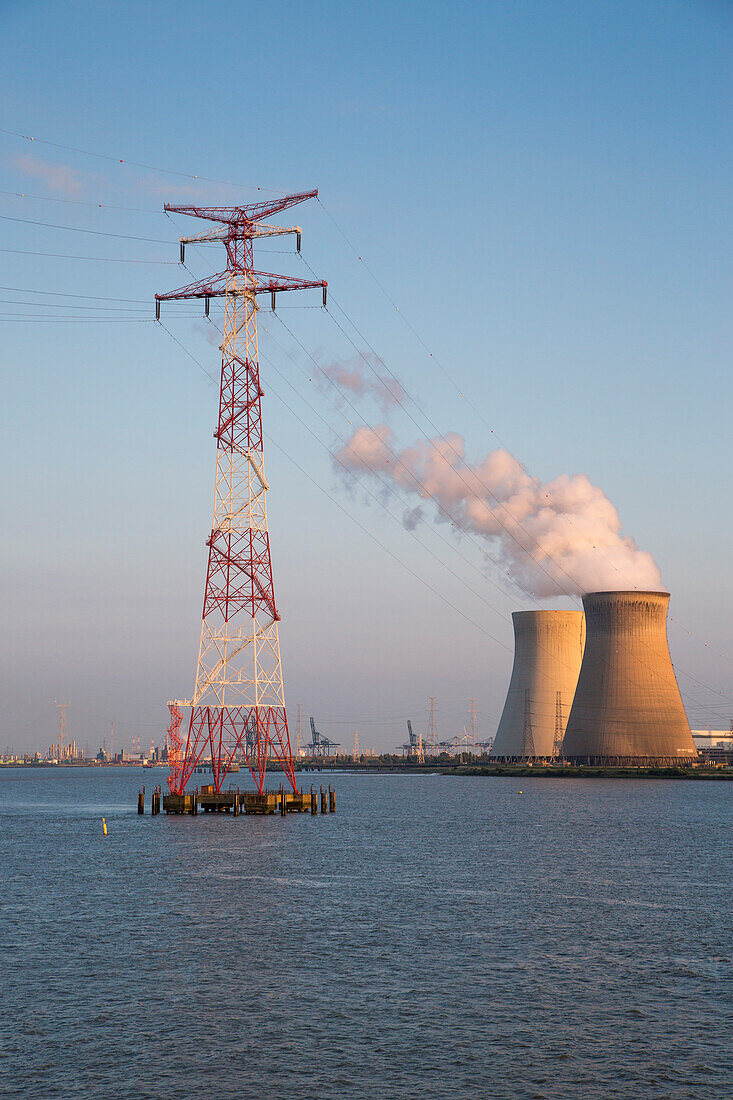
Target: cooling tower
[[548, 648], [627, 706]]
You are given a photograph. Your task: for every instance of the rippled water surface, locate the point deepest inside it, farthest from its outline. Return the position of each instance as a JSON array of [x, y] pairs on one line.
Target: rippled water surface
[[437, 937]]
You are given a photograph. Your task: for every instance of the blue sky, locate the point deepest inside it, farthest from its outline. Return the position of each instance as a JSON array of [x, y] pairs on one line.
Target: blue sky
[[544, 191]]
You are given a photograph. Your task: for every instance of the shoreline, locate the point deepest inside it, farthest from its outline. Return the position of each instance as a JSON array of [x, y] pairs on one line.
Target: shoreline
[[506, 771], [537, 771]]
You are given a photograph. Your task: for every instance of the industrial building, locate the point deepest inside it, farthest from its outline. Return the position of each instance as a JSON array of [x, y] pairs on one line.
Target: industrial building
[[548, 650], [627, 707]]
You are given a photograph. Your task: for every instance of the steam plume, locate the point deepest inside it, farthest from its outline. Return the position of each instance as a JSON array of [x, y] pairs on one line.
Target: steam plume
[[563, 536], [360, 380]]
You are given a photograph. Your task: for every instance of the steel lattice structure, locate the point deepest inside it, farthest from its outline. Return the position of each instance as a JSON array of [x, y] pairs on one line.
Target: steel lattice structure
[[238, 706]]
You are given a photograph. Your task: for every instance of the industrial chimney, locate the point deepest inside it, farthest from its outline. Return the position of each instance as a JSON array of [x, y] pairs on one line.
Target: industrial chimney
[[627, 706], [548, 649]]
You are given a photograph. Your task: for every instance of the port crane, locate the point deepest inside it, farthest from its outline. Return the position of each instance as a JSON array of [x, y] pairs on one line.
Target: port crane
[[320, 745], [414, 748]]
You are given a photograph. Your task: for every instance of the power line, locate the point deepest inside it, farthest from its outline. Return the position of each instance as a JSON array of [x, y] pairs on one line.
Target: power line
[[136, 164], [470, 404], [434, 427], [188, 353], [10, 318], [69, 305], [76, 229], [386, 549], [374, 496], [379, 377], [344, 510], [97, 259], [81, 202], [472, 491], [390, 487], [68, 294], [381, 545]]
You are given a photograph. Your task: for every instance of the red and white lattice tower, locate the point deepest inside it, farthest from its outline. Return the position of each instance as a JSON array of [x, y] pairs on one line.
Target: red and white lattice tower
[[238, 706]]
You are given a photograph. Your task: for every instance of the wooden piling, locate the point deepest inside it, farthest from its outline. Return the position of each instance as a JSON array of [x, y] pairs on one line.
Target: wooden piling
[[324, 802], [331, 800], [314, 801], [141, 801]]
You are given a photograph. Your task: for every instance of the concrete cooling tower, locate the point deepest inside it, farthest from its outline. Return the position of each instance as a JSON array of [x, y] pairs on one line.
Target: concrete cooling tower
[[627, 706], [548, 649]]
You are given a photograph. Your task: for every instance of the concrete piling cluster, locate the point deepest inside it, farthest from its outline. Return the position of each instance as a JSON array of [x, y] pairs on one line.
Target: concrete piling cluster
[[236, 802]]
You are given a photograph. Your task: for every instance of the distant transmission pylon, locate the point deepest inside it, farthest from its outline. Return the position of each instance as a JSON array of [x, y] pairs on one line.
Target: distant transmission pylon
[[63, 727], [559, 732], [432, 737], [238, 704], [527, 734], [474, 722], [356, 746]]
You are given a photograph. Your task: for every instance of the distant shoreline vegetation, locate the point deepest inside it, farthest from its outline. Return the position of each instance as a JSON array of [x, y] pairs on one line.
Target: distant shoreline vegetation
[[507, 771], [523, 771]]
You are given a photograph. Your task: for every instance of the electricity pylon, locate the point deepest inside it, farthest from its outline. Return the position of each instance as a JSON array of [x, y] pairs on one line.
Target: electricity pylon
[[238, 704], [63, 727], [432, 735], [528, 750], [559, 731], [474, 722]]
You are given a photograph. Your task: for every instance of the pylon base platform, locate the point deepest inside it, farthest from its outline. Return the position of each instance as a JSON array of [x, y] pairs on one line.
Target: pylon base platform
[[211, 801], [179, 804], [249, 802]]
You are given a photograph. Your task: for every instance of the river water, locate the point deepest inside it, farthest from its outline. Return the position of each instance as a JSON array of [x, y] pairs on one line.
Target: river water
[[437, 937]]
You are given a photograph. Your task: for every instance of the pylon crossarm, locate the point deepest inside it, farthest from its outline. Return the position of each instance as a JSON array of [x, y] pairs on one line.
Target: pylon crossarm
[[276, 284], [234, 215], [212, 287], [259, 230], [262, 282], [220, 234]]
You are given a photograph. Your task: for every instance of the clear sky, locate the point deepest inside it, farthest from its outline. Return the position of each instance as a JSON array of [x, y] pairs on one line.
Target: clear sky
[[543, 189]]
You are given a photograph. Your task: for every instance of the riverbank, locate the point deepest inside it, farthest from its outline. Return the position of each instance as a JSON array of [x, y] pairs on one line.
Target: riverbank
[[534, 771]]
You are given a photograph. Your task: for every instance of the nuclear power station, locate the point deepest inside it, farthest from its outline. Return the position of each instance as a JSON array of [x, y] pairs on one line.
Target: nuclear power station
[[627, 706], [595, 687], [548, 650]]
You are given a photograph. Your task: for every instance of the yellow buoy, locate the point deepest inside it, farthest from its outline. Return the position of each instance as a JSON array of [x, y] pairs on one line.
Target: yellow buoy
[[520, 792], [104, 826]]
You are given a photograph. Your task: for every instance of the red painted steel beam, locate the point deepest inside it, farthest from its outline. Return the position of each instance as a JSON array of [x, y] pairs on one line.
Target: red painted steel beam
[[236, 215], [214, 286]]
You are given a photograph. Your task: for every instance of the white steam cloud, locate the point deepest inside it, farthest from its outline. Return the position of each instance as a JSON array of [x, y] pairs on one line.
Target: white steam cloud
[[59, 178], [562, 536], [364, 377]]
